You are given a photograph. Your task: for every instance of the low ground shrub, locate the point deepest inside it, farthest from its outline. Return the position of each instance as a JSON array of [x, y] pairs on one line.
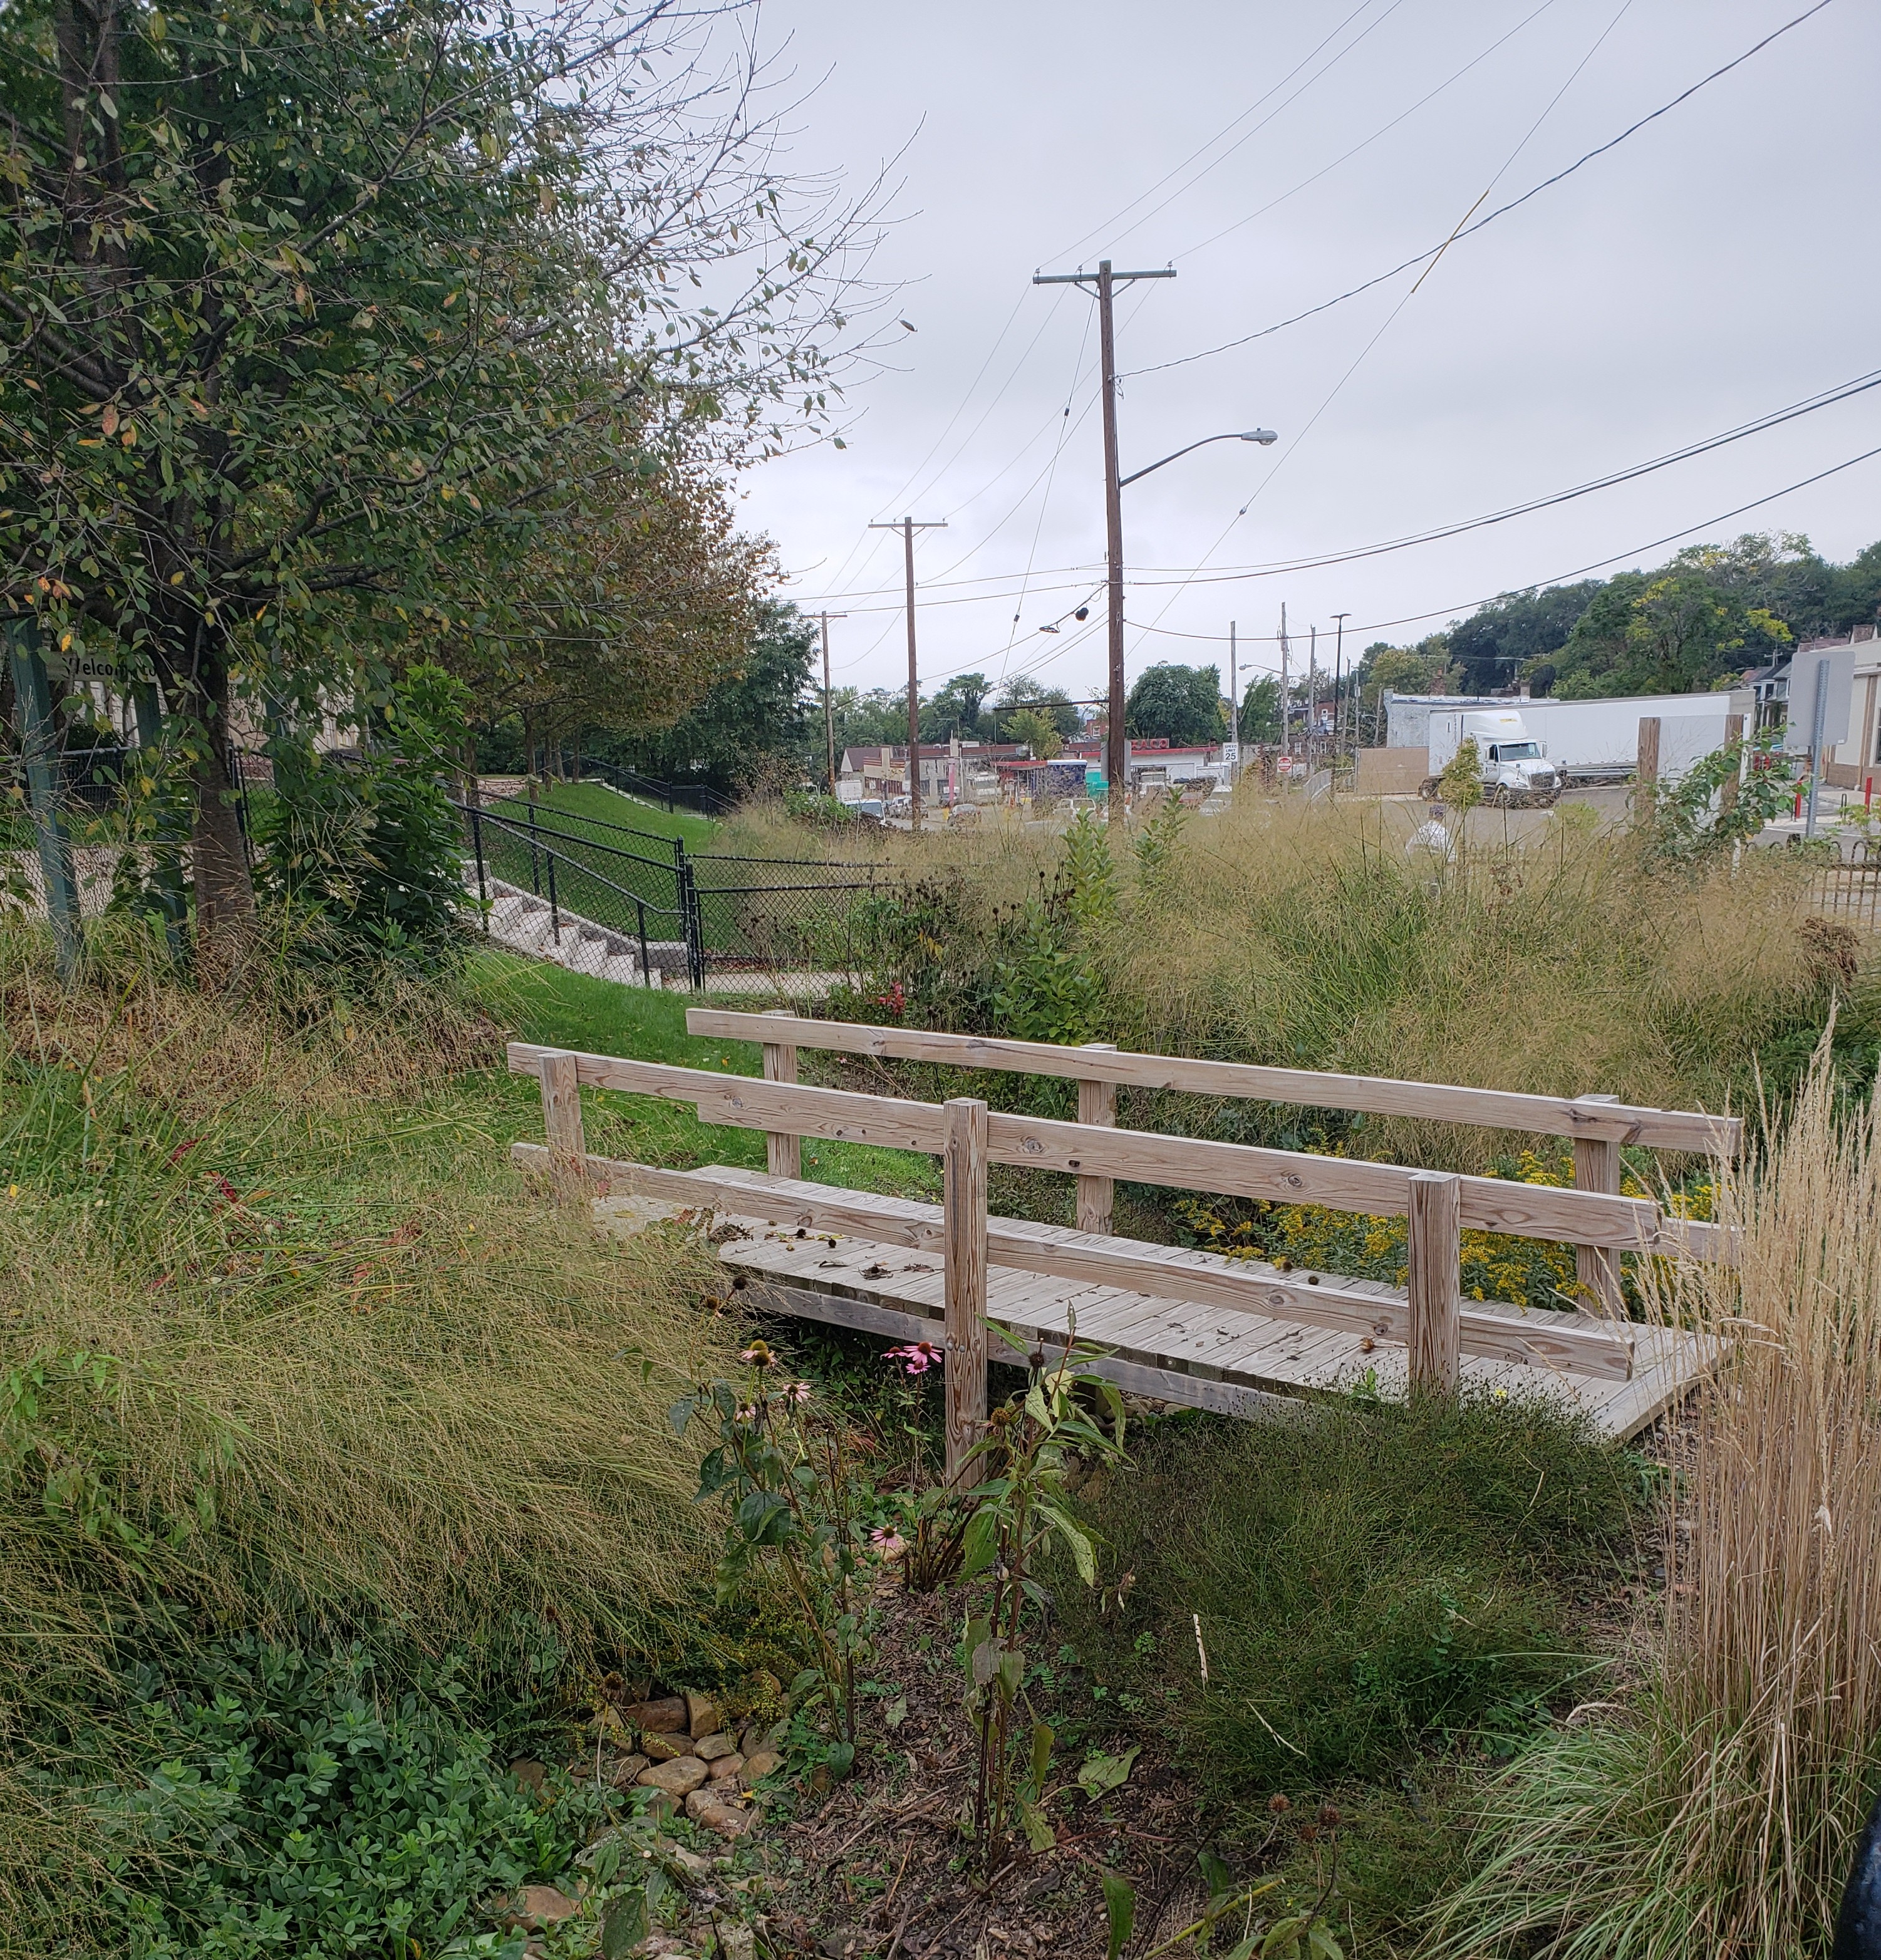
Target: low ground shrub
[[292, 1803], [1364, 1585]]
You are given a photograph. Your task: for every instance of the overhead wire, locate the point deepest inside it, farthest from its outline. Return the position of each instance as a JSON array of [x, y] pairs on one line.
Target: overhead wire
[[1292, 447], [1490, 218], [1384, 129], [1100, 230]]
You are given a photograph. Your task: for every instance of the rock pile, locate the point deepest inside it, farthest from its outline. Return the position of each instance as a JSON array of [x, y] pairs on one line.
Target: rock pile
[[679, 1746]]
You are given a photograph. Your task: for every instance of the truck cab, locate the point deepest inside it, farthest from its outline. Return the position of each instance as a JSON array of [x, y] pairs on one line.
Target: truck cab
[[1515, 769]]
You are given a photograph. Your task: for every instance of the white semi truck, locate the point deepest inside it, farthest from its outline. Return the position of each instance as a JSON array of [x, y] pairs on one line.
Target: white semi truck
[[1514, 768]]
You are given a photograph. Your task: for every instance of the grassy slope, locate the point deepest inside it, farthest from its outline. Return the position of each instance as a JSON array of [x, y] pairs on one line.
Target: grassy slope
[[603, 805], [549, 1004]]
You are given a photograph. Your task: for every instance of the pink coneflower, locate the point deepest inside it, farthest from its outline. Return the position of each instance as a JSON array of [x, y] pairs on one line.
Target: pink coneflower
[[917, 1358], [758, 1355], [798, 1391], [887, 1542]]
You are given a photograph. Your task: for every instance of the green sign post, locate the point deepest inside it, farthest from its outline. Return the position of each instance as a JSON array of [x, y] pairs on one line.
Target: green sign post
[[33, 695]]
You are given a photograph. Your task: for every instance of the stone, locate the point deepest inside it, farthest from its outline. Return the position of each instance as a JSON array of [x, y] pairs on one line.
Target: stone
[[660, 1804], [725, 1818], [677, 1779], [607, 1724], [543, 1905], [662, 1748], [752, 1741], [529, 1773], [709, 1749], [697, 1869], [762, 1763], [662, 1718], [625, 1770], [701, 1713], [725, 1769]]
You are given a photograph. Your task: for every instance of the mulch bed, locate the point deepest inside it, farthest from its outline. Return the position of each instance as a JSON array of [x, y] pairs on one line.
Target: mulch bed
[[879, 1867]]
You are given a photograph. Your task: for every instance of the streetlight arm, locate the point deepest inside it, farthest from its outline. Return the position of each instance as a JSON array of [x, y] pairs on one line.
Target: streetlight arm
[[1261, 436]]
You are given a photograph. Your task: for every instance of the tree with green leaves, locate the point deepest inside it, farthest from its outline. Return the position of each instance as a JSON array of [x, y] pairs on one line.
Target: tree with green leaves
[[757, 726], [953, 710], [1181, 704], [1054, 702], [321, 320], [1260, 710]]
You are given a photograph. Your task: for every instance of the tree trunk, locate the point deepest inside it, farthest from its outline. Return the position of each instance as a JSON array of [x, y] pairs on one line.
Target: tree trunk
[[225, 891]]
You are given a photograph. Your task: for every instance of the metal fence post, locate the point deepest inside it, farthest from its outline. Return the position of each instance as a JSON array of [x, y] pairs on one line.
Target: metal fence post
[[535, 870], [476, 846], [32, 693], [555, 911]]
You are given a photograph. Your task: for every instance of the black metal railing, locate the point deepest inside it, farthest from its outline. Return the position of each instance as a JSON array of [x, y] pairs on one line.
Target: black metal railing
[[728, 913], [695, 797]]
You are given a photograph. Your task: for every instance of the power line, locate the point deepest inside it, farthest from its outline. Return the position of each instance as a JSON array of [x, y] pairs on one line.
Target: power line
[[1384, 129], [1102, 229], [1245, 339]]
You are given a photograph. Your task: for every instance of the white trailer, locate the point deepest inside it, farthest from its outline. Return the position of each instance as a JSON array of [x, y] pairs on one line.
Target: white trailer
[[1584, 741]]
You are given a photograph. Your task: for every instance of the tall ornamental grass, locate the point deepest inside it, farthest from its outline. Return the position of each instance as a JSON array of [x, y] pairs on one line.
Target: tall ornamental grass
[[1716, 1810], [287, 1350]]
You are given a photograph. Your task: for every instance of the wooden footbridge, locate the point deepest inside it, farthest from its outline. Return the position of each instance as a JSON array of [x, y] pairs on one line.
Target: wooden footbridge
[[1237, 1336]]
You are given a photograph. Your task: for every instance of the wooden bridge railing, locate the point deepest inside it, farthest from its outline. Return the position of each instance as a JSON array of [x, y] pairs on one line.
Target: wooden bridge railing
[[1597, 1125], [967, 1136]]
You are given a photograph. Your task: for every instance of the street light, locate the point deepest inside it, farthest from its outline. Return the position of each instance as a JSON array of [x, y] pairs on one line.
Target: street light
[[1266, 437], [1116, 762]]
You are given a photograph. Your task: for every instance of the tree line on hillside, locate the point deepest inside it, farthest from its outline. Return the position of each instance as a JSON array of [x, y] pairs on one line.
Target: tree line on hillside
[[1708, 615]]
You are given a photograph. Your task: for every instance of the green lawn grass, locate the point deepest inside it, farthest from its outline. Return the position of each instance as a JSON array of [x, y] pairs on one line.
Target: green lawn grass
[[551, 1005], [600, 805]]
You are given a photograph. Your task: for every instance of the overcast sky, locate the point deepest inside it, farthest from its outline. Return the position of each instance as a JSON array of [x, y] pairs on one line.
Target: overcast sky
[[1719, 264]]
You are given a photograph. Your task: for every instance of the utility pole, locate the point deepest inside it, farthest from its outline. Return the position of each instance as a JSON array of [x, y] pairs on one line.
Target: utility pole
[[829, 718], [1338, 705], [908, 528], [1106, 282], [1234, 710], [1286, 686], [1313, 694]]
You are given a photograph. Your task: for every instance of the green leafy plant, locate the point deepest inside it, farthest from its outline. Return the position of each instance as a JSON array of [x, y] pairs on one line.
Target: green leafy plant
[[1460, 784], [289, 1805], [784, 1470], [365, 854], [1687, 824], [1020, 1508], [1154, 845]]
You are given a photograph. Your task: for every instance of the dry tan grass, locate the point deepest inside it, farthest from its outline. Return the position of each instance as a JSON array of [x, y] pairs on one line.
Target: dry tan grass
[[353, 1366], [1563, 962], [1718, 1811]]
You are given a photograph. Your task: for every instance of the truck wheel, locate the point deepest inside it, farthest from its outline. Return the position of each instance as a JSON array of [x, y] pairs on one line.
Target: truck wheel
[[1427, 789]]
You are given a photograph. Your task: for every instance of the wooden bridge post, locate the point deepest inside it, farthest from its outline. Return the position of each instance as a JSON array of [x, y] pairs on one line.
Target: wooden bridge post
[[561, 1121], [1097, 1103], [1597, 1168], [1435, 1280], [964, 1229], [783, 1151]]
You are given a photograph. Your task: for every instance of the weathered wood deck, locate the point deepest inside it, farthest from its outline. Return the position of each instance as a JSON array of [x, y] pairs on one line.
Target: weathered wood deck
[[1204, 1355]]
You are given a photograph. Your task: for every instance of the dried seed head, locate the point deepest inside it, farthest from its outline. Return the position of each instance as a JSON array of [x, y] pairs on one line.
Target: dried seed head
[[1308, 1832], [1278, 1805], [1329, 1816]]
